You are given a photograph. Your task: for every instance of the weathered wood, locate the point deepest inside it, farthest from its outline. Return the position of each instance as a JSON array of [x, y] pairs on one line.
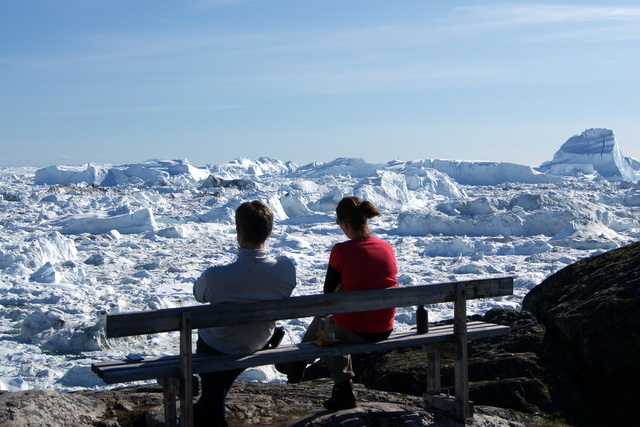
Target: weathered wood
[[175, 372], [118, 371], [186, 398], [460, 364], [170, 389], [433, 373], [209, 315]]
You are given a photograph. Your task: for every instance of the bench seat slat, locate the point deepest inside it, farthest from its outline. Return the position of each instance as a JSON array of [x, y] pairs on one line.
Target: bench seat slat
[[125, 371]]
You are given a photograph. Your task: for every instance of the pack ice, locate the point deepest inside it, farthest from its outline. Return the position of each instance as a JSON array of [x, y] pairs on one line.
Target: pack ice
[[77, 242]]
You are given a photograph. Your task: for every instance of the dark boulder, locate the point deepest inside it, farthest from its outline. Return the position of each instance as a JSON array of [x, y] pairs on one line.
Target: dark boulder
[[591, 310], [504, 371]]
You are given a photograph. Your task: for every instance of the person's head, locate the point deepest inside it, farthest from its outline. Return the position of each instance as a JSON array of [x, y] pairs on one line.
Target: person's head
[[254, 222], [352, 214]]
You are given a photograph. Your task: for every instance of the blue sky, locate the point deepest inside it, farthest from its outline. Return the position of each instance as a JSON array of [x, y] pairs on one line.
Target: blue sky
[[114, 81]]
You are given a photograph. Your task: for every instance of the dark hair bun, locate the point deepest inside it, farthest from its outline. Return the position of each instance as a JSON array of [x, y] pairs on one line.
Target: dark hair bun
[[368, 210], [356, 212]]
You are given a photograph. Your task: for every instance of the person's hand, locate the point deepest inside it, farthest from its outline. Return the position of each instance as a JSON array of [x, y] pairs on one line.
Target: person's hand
[[339, 288]]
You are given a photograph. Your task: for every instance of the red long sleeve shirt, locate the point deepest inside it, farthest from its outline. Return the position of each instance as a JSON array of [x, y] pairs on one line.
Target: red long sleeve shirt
[[365, 263]]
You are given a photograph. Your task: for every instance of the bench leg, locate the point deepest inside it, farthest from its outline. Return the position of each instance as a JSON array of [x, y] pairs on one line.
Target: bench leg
[[459, 406], [433, 398], [186, 378], [433, 372], [170, 390], [464, 408]]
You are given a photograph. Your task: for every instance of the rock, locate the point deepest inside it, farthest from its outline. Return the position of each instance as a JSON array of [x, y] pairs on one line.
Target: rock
[[526, 395], [49, 408], [503, 371], [248, 403], [590, 310]]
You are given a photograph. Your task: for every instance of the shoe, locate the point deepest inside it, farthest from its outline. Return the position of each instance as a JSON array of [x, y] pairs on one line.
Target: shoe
[[293, 370], [342, 397]]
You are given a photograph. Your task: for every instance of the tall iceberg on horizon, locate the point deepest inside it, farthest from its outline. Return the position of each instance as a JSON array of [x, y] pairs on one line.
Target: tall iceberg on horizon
[[594, 150]]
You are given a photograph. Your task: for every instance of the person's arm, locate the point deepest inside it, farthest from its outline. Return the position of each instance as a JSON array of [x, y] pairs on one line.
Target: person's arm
[[332, 280], [199, 287]]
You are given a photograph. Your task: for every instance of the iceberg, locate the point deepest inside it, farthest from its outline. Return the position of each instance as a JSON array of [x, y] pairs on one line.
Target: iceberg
[[483, 173], [243, 167], [418, 176], [593, 151], [52, 248], [150, 172], [388, 190], [138, 222], [343, 166], [587, 234], [66, 175], [45, 274], [134, 174], [178, 167], [153, 172]]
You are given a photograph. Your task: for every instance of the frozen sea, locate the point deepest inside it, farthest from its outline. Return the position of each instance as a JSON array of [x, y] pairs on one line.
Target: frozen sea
[[79, 242]]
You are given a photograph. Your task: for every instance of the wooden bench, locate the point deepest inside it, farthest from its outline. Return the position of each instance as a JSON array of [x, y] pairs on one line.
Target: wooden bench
[[175, 373]]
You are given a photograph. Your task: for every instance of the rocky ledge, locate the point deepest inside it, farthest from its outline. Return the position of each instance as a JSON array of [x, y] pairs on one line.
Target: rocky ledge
[[248, 404]]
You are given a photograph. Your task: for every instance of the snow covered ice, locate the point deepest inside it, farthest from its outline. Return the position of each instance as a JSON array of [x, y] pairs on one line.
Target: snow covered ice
[[77, 242]]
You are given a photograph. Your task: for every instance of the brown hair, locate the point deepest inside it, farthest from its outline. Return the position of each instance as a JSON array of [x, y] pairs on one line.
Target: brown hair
[[255, 221], [356, 212]]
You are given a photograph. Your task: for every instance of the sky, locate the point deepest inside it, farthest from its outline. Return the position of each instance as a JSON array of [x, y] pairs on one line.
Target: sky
[[117, 82]]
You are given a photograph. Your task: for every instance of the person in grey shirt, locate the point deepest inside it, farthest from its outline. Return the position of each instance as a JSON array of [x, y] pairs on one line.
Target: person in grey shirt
[[254, 276]]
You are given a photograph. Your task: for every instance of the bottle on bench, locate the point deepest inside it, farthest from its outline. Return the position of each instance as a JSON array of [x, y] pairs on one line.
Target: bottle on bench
[[422, 320]]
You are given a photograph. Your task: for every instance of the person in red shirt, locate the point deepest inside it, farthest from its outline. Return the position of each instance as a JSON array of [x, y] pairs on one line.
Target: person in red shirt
[[362, 262]]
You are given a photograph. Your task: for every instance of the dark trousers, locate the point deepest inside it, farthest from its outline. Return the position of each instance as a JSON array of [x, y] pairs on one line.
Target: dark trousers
[[210, 408]]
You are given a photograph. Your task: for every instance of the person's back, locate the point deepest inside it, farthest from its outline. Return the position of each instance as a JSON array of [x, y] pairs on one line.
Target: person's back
[[254, 276], [365, 263]]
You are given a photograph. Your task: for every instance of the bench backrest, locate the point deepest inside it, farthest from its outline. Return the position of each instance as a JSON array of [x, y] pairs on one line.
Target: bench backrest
[[223, 314]]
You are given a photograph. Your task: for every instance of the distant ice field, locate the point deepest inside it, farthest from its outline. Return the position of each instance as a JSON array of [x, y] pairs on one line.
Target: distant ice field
[[72, 250]]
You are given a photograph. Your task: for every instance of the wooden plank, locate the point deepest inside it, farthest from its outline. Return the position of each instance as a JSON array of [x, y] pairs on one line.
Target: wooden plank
[[122, 371], [460, 363], [482, 328], [477, 329], [169, 388], [186, 397], [209, 315], [433, 373]]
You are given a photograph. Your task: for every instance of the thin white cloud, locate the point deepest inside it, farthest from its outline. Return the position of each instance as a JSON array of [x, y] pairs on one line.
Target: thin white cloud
[[599, 34], [536, 22], [142, 110], [532, 13]]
